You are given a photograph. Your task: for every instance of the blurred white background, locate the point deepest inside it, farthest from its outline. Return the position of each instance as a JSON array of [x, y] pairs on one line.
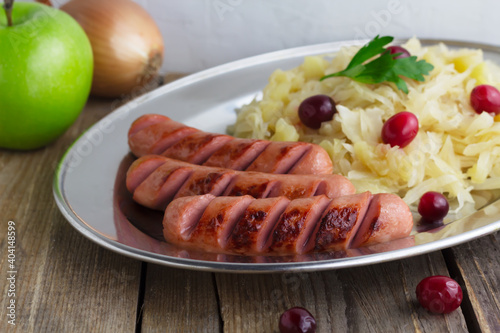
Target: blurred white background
[[203, 33]]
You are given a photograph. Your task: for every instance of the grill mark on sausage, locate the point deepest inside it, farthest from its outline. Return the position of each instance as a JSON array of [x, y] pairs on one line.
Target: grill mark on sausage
[[209, 227], [197, 148], [289, 226], [293, 192], [160, 187], [279, 157], [252, 232], [237, 154], [296, 158], [172, 185], [245, 232], [334, 227], [203, 183], [206, 184], [340, 222], [297, 224], [171, 138], [257, 190], [216, 229]]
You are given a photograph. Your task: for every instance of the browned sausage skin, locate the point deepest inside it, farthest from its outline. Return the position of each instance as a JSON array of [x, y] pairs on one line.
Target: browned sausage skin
[[340, 222], [157, 134], [140, 170], [387, 218], [296, 224], [147, 134], [251, 232], [247, 225], [237, 154], [155, 180]]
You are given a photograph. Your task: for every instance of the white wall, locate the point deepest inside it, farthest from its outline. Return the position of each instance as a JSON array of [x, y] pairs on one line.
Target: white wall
[[203, 33]]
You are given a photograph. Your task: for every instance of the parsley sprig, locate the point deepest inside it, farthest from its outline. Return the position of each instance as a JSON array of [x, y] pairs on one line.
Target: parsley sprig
[[385, 67]]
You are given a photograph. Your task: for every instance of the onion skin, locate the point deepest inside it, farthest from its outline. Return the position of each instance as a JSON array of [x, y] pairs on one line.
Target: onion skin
[[127, 44]]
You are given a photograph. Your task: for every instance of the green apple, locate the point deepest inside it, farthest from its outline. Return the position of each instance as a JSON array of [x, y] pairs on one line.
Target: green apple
[[46, 68]]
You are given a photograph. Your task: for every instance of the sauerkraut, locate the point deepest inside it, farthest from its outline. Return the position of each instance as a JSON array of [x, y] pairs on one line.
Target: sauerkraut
[[456, 151]]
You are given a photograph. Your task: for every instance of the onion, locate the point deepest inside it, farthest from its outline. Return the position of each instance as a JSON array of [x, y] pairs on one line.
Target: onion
[[127, 44]]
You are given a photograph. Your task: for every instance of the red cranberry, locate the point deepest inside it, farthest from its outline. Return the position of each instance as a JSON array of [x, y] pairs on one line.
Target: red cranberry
[[316, 109], [297, 320], [485, 98], [398, 49], [400, 129], [439, 294], [433, 206]]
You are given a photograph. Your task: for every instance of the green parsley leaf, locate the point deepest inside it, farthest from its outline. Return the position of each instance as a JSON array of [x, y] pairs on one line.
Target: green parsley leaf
[[383, 68]]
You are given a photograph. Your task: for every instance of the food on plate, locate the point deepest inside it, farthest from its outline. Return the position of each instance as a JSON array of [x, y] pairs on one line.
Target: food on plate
[[276, 195], [45, 74], [243, 224], [485, 98], [155, 180], [400, 129], [455, 151], [316, 109], [157, 134], [439, 294], [433, 206], [297, 320]]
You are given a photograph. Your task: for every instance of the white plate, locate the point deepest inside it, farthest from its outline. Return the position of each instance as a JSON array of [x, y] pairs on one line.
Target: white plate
[[89, 182]]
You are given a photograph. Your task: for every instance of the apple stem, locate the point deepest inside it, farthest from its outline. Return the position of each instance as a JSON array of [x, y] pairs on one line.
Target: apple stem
[[7, 5]]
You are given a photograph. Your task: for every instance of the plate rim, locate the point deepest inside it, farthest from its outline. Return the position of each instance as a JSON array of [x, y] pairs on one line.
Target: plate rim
[[235, 267]]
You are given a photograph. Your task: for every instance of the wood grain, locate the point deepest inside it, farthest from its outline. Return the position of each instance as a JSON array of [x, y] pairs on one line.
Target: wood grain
[[65, 283], [378, 298], [177, 300], [479, 267]]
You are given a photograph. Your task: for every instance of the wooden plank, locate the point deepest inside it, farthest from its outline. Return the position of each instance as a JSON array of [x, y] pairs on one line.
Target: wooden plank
[[479, 265], [64, 282], [377, 298], [177, 300]]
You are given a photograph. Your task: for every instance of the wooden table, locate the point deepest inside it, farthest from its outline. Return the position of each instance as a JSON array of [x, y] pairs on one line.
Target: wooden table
[[66, 283]]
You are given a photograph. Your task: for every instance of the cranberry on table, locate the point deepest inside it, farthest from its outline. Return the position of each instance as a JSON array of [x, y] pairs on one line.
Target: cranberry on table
[[398, 49], [433, 206], [297, 320], [400, 129], [485, 98], [316, 109], [439, 294]]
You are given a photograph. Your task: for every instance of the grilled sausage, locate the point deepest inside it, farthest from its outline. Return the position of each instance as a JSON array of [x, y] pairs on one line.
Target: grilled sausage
[[247, 225], [155, 180], [157, 134]]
